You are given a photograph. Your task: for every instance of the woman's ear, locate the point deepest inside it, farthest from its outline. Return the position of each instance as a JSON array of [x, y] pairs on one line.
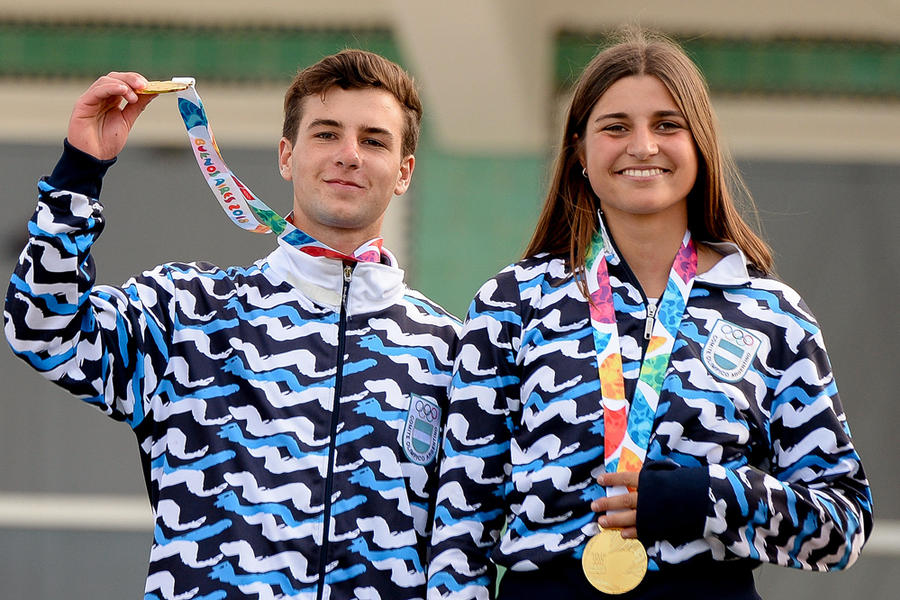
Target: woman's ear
[[579, 150]]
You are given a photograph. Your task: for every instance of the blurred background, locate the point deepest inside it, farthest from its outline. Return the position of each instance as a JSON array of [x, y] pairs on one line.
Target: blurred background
[[807, 93]]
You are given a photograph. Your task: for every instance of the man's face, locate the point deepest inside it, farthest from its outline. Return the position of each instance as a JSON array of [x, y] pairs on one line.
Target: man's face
[[346, 164]]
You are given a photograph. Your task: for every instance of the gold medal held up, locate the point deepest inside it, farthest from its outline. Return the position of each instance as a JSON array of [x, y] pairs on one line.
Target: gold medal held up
[[612, 564], [163, 87]]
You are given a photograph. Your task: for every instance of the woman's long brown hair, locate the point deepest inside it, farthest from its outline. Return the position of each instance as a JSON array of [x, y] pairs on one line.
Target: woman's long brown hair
[[568, 219]]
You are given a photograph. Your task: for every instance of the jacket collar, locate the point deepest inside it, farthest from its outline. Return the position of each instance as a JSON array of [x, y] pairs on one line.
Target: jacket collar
[[373, 286], [730, 271]]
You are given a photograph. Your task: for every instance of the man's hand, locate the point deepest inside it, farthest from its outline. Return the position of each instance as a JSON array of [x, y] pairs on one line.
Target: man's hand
[[100, 122], [621, 510]]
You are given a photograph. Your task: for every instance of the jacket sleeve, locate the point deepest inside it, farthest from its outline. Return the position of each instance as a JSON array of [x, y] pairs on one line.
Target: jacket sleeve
[[475, 470], [809, 508], [101, 343]]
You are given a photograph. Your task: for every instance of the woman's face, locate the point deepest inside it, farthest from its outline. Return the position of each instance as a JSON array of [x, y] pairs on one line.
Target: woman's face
[[639, 154]]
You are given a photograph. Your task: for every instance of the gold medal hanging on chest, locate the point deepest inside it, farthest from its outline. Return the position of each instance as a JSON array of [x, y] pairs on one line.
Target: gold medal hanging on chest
[[613, 564]]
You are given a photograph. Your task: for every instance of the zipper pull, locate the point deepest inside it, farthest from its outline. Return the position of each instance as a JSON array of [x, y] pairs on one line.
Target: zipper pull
[[651, 319], [348, 271]]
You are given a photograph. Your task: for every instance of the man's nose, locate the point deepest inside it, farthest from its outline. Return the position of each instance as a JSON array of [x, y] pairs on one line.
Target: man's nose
[[348, 154]]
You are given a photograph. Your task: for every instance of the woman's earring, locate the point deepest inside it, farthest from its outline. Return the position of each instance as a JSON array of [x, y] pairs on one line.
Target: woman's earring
[[584, 172]]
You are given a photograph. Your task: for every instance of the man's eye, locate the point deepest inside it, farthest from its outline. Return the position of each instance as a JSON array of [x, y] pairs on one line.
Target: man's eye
[[374, 142]]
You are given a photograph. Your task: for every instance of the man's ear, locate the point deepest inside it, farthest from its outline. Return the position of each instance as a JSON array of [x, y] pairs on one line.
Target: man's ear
[[407, 165], [285, 158]]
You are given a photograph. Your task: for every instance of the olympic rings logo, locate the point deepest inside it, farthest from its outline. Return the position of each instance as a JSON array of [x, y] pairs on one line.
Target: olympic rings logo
[[738, 335], [427, 411]]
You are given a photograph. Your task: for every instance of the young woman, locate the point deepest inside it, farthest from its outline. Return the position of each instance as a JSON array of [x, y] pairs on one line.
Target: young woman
[[639, 409]]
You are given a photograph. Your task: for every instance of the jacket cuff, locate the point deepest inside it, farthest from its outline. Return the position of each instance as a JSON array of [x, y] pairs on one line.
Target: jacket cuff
[[672, 503], [79, 172]]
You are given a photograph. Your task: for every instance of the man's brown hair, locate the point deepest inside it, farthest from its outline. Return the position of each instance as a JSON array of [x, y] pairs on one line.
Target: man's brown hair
[[355, 69]]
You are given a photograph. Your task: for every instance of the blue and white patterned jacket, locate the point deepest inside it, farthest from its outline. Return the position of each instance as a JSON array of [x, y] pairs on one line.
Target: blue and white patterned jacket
[[266, 401], [750, 456]]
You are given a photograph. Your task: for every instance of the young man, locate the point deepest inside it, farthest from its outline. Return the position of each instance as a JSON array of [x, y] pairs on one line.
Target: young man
[[287, 413]]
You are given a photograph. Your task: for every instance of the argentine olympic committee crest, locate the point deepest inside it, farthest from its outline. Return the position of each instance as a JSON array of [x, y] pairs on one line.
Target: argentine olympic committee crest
[[421, 435], [729, 351]]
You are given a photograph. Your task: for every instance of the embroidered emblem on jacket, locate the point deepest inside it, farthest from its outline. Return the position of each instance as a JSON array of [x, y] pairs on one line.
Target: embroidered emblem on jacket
[[421, 434], [729, 351]]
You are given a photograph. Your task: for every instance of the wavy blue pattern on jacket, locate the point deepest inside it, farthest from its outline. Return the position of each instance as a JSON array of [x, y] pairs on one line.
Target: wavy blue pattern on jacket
[[227, 378], [785, 485]]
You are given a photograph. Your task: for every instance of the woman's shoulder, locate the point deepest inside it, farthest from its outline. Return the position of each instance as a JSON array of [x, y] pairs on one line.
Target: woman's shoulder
[[523, 281], [543, 265], [725, 266], [770, 283], [542, 271], [745, 294], [769, 309]]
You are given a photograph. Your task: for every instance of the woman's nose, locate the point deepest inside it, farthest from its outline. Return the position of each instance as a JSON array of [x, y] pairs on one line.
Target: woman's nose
[[642, 144]]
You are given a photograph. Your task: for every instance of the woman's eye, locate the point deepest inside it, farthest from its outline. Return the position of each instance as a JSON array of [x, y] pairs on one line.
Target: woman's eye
[[670, 125]]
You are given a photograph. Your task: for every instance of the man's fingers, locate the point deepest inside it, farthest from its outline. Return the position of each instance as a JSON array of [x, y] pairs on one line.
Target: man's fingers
[[135, 81], [131, 112], [116, 85], [104, 115]]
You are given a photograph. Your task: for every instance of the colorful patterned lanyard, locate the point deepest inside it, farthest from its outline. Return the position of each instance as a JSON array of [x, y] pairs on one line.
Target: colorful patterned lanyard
[[627, 428], [240, 204]]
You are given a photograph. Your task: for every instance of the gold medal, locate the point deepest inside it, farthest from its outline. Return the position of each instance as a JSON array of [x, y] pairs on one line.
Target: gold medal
[[612, 564], [163, 87]]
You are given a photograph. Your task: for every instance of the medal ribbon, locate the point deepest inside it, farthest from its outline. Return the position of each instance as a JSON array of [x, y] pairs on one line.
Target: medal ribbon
[[240, 204], [627, 428]]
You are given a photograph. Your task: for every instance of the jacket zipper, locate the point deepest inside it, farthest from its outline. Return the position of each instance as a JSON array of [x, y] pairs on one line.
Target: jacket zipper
[[335, 418], [651, 307], [648, 324]]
